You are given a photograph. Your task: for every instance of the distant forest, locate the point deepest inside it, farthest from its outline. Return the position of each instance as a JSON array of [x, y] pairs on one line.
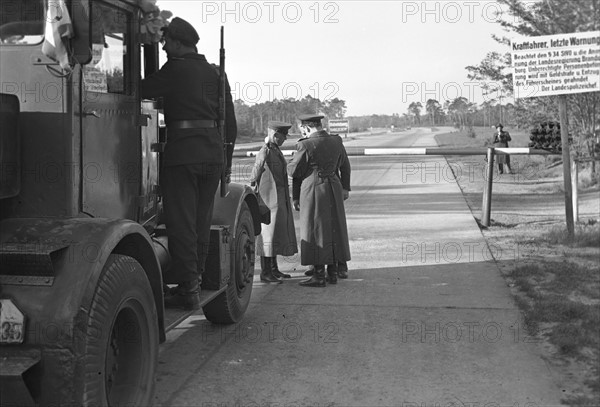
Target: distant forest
[[493, 73], [253, 120], [460, 113]]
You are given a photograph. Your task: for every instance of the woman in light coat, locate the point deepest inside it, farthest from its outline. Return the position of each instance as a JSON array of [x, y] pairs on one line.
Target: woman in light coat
[[269, 176]]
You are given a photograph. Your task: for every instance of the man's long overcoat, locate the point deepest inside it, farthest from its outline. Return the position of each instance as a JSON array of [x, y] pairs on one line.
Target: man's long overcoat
[[270, 174], [322, 166]]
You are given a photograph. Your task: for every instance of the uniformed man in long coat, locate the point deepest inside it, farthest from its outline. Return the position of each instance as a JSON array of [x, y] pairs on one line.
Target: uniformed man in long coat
[[321, 182], [270, 177], [501, 139], [193, 158]]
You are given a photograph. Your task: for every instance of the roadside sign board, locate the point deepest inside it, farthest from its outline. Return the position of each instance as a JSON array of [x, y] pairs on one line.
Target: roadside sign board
[[339, 126], [556, 64]]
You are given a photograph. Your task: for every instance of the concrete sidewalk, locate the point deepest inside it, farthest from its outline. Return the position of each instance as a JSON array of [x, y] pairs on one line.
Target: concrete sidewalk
[[425, 318]]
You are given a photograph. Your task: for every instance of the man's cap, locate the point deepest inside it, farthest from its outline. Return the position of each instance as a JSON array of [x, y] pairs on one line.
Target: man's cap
[[280, 127], [499, 125], [181, 30], [311, 117]]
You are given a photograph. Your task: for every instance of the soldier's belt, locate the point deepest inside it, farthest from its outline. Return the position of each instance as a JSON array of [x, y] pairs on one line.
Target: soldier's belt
[[326, 174], [192, 124]]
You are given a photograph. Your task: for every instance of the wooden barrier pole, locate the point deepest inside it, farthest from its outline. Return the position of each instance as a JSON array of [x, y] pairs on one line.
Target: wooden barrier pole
[[486, 207], [566, 156]]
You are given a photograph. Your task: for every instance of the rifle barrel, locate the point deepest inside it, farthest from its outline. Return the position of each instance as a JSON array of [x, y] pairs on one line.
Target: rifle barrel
[[222, 127]]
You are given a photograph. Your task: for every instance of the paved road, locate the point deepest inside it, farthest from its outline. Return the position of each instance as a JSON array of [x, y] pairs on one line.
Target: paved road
[[424, 319]]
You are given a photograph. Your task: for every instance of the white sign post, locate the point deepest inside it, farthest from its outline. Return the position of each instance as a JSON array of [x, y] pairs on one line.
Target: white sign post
[[558, 64], [339, 126]]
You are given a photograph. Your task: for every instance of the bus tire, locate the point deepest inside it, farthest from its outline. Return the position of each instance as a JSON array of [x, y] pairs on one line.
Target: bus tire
[[229, 306], [121, 341]]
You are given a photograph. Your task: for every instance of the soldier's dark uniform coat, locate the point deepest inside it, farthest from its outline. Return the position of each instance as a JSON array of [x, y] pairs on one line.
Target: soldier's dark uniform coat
[[322, 166], [270, 174], [190, 89], [501, 140], [193, 157]]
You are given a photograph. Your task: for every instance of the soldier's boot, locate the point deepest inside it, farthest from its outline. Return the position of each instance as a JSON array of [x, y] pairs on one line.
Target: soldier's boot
[[332, 276], [185, 295], [317, 279], [266, 272], [310, 271], [342, 270], [275, 270]]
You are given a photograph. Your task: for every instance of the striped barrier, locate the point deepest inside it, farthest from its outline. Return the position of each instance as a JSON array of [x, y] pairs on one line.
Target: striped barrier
[[489, 152], [421, 151]]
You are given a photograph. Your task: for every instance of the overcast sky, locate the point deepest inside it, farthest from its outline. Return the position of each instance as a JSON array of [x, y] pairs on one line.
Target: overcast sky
[[379, 56]]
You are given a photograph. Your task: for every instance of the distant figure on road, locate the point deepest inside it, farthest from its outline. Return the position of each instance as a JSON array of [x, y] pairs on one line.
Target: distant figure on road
[[501, 139], [321, 182], [270, 177]]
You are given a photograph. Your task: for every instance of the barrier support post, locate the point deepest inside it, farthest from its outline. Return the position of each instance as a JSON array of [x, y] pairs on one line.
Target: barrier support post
[[486, 207]]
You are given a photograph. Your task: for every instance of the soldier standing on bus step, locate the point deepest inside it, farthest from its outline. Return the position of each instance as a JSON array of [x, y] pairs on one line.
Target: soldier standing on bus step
[[193, 158]]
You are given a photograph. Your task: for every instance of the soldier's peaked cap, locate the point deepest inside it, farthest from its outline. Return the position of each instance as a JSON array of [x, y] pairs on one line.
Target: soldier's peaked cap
[[280, 127], [181, 30], [499, 125], [310, 118]]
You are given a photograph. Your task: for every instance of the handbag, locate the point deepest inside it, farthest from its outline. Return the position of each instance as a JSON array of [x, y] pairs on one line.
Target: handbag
[[263, 209]]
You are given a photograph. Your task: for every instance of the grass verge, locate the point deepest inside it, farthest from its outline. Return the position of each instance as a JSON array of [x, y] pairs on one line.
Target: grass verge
[[555, 279]]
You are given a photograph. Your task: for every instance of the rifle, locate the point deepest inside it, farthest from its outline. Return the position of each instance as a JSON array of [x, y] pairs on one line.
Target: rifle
[[221, 121]]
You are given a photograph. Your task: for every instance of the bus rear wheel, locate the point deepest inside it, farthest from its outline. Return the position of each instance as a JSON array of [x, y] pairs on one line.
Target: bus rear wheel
[[121, 342]]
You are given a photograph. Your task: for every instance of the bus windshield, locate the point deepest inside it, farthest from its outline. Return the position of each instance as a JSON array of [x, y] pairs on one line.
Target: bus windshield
[[21, 22]]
